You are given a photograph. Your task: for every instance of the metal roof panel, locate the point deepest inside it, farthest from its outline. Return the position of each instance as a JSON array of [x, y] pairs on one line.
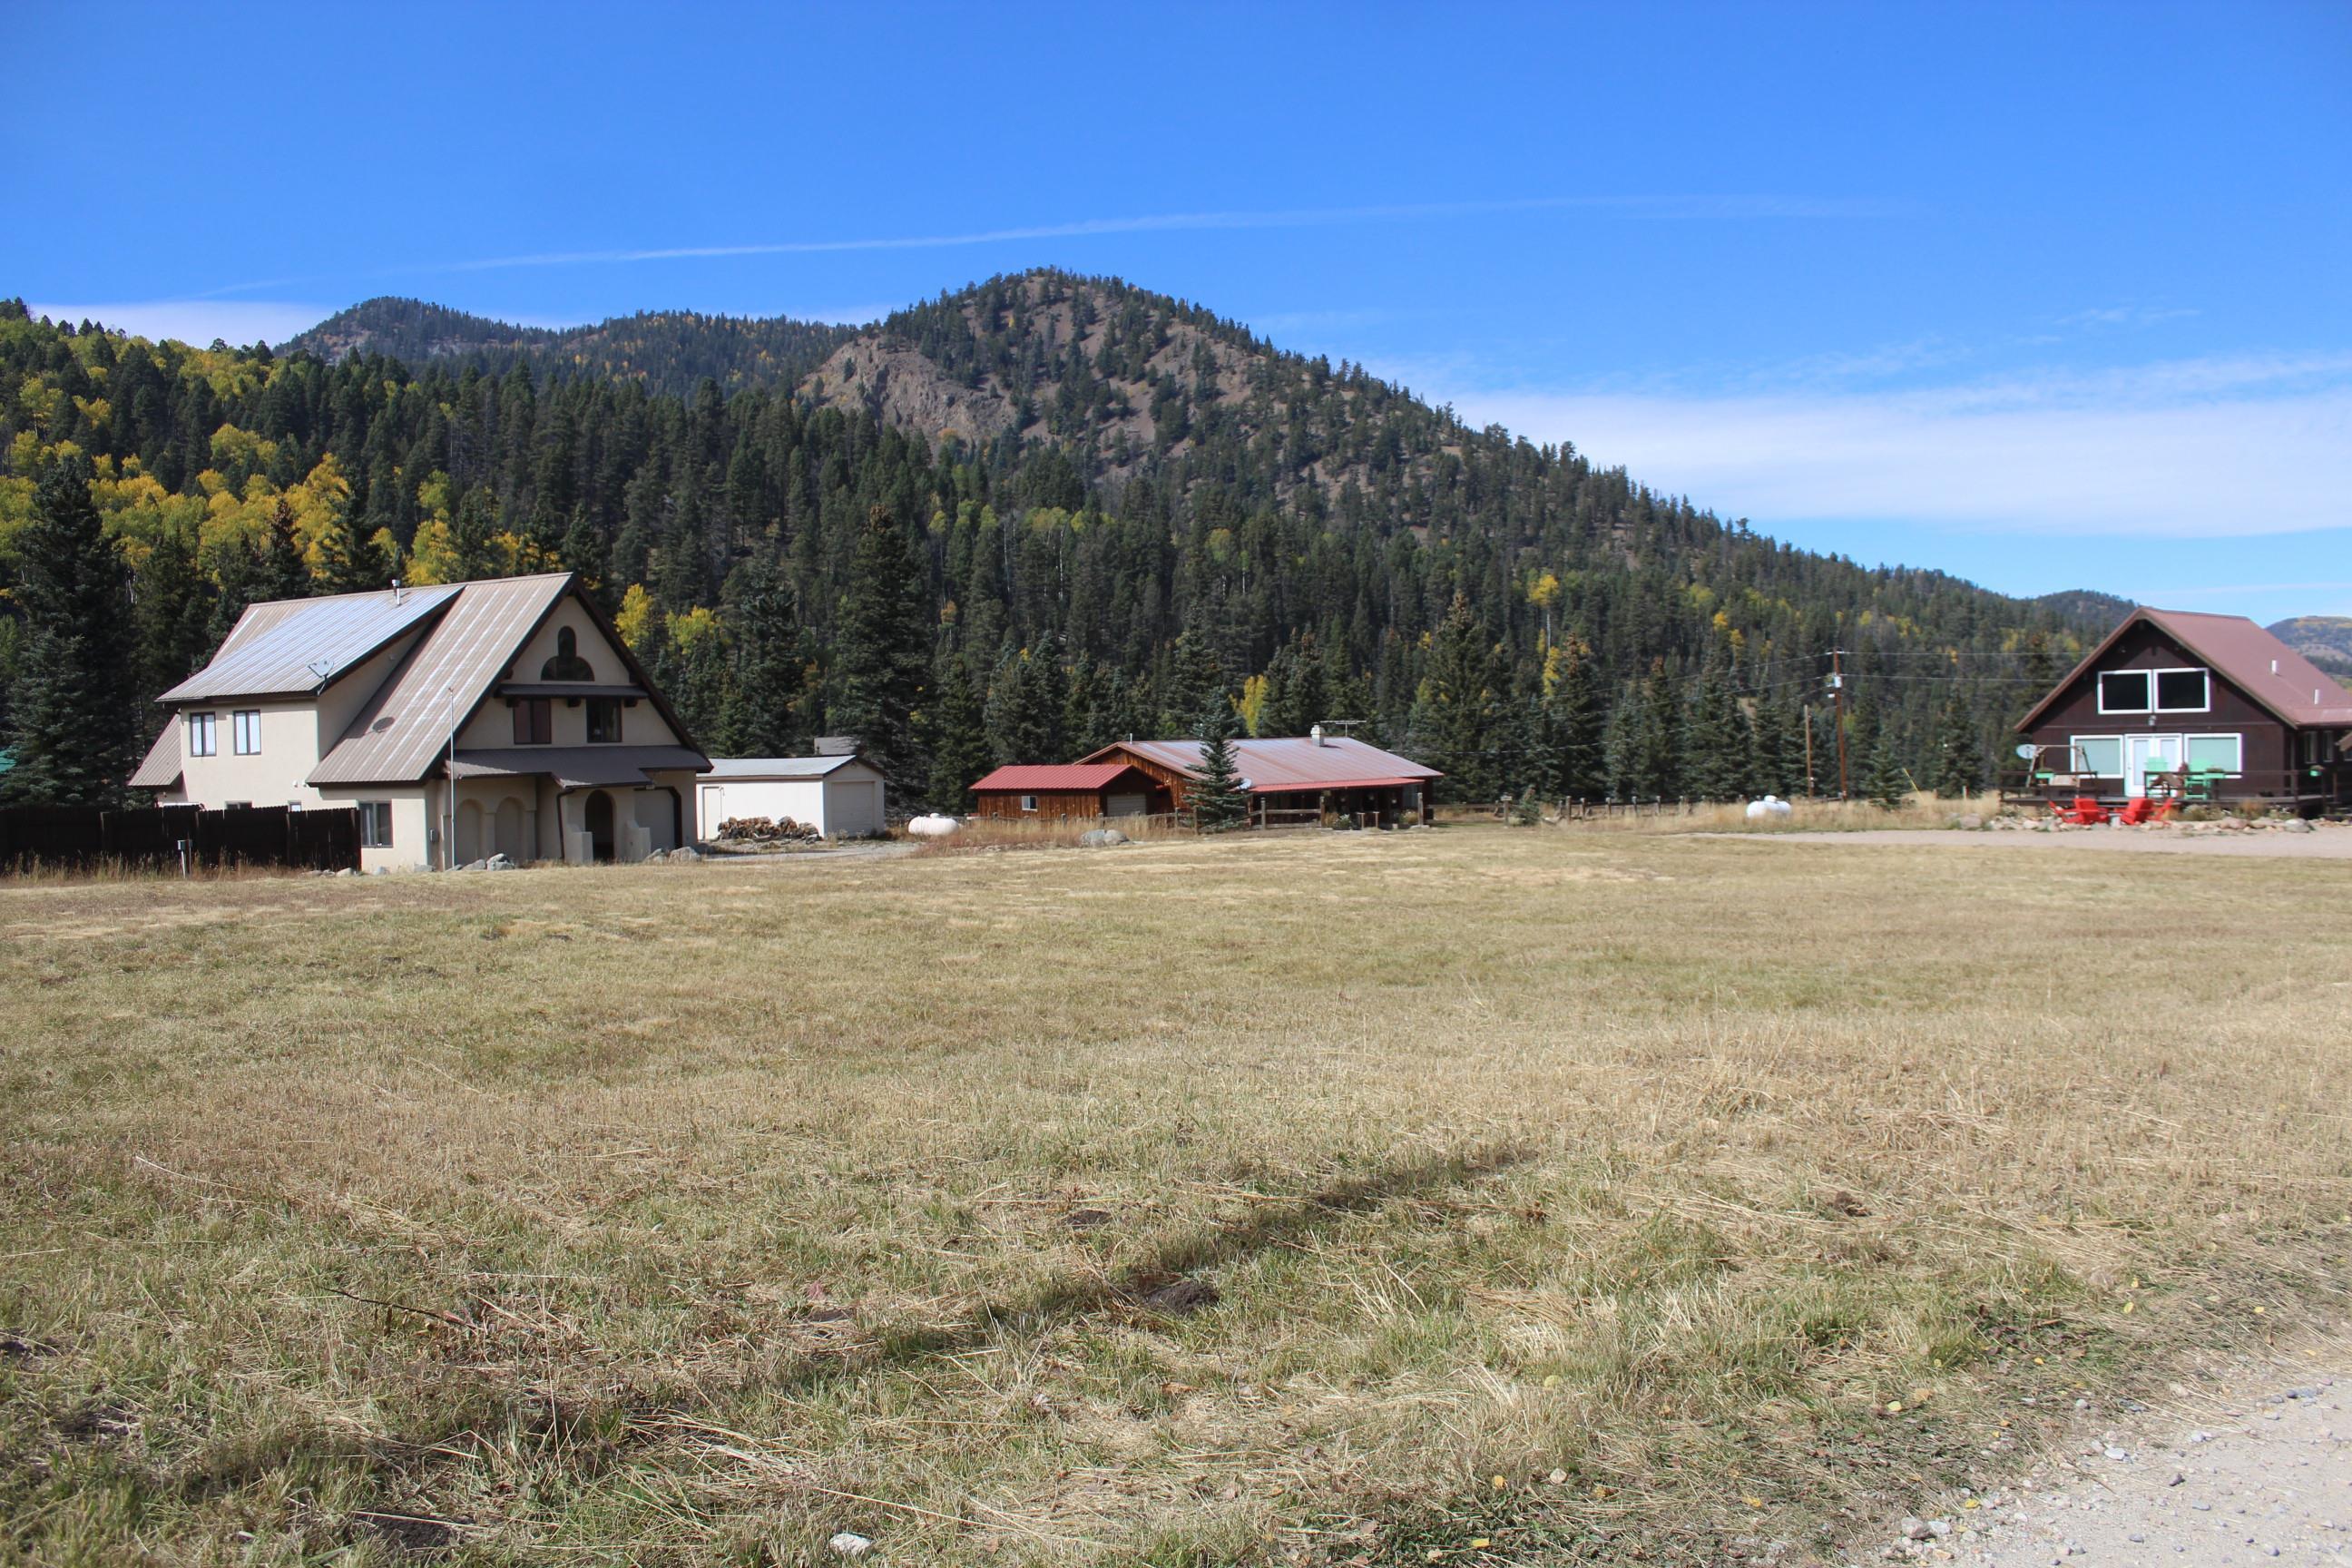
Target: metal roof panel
[[293, 647]]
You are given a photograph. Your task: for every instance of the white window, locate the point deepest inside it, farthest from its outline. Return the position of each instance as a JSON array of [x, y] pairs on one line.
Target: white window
[[375, 825], [2101, 756], [1028, 803], [203, 738], [2187, 690], [2216, 753], [244, 732]]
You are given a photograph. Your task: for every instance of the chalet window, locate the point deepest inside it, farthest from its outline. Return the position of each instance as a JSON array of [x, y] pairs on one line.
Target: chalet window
[[603, 720], [534, 722], [204, 739], [2123, 691], [2101, 756], [567, 664], [375, 825], [1028, 803], [244, 732], [2182, 691], [2214, 754]]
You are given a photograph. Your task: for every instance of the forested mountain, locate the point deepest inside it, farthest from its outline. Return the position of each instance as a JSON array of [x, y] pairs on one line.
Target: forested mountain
[[668, 351], [1019, 520], [2325, 640]]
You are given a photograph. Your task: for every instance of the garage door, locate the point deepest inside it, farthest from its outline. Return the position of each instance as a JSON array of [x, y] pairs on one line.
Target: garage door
[[1126, 804], [853, 807]]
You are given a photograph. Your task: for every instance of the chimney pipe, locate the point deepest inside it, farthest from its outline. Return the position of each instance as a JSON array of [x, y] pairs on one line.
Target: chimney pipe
[[1316, 734]]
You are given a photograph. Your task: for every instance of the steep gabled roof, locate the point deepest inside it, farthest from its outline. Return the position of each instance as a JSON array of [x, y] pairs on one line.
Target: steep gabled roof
[[400, 733], [2294, 690], [1276, 764], [161, 768], [298, 647]]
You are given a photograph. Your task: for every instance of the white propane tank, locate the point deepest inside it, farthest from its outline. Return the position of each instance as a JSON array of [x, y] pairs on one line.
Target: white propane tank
[[932, 827], [1771, 808]]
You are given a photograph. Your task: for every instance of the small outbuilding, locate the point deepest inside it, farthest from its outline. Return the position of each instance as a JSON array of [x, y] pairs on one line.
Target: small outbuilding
[[1059, 792], [840, 796], [2210, 707]]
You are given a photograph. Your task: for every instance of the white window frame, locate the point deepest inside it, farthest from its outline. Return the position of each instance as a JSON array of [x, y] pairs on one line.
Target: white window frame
[[245, 724], [2074, 748], [2154, 677], [2237, 767], [1028, 803], [204, 735]]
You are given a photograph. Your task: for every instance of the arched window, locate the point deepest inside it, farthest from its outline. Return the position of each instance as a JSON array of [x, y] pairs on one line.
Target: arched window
[[567, 664]]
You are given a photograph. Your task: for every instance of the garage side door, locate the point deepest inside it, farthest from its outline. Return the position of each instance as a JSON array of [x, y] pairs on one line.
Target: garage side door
[[852, 806]]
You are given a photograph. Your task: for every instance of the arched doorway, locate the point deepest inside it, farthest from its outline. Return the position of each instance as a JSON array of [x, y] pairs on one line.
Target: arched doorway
[[469, 831], [597, 819], [507, 836]]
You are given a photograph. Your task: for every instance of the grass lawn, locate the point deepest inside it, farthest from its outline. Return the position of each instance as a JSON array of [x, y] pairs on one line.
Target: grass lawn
[[1479, 1195]]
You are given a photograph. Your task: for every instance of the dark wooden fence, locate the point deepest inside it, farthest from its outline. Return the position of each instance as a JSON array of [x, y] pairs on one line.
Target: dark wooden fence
[[80, 837]]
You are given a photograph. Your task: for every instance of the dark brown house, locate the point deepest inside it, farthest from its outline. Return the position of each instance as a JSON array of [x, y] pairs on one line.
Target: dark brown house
[[2211, 703]]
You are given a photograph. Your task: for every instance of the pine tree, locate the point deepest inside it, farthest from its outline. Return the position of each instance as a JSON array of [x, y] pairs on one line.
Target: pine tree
[[1194, 677], [350, 562], [280, 572], [1455, 712], [1717, 740], [767, 682], [883, 638], [171, 612], [1218, 800], [70, 702], [1577, 727], [1025, 709], [1883, 780], [1959, 759], [957, 734]]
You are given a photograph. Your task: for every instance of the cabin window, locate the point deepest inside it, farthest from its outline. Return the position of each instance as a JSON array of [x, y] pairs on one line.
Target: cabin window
[[204, 740], [244, 732], [2181, 691], [1028, 803], [2214, 754], [2123, 691], [534, 722], [603, 720], [567, 664], [2101, 756], [375, 825]]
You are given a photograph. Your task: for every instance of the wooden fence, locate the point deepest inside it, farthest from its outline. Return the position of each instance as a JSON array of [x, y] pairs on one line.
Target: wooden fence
[[178, 837]]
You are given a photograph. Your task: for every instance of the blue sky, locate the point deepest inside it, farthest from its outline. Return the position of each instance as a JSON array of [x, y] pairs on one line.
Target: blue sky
[[2048, 296]]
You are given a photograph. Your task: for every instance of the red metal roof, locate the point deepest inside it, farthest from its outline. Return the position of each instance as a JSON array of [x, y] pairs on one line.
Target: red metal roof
[[1277, 765], [2242, 653], [1046, 778]]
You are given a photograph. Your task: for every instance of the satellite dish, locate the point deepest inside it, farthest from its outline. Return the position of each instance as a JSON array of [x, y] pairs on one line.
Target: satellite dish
[[2026, 749]]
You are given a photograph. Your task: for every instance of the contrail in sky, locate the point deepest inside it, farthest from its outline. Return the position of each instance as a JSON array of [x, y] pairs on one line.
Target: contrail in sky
[[1683, 207]]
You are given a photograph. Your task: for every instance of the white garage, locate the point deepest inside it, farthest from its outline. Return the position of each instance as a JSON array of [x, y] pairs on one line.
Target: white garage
[[840, 796]]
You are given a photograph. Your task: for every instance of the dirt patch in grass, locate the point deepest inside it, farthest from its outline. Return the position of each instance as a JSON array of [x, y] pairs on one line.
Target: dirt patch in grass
[[1506, 1195]]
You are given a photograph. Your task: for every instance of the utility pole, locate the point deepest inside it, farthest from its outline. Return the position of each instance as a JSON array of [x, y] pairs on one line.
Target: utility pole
[[1810, 790], [1837, 696]]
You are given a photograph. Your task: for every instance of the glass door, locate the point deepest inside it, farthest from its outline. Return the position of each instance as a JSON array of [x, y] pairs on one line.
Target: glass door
[[2146, 754]]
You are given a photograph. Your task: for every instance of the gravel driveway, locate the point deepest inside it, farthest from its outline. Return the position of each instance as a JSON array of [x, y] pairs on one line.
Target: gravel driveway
[[2328, 841], [2263, 1475]]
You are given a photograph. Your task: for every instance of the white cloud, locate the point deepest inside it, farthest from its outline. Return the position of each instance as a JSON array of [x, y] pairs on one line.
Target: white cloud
[[198, 322], [2192, 448]]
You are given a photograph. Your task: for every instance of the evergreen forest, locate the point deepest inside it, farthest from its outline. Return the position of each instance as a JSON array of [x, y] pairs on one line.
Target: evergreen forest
[[1011, 523]]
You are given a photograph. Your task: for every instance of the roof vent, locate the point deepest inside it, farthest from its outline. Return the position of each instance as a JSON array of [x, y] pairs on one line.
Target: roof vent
[[2273, 667], [1316, 734]]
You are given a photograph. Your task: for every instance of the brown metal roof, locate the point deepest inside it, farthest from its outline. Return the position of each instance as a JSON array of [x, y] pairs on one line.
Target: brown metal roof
[[578, 767], [2243, 654], [294, 647], [1276, 764], [401, 733], [161, 768]]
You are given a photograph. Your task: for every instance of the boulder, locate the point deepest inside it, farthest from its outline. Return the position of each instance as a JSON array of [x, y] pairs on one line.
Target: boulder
[[1101, 837], [849, 1543], [475, 865], [684, 852], [657, 857], [499, 863]]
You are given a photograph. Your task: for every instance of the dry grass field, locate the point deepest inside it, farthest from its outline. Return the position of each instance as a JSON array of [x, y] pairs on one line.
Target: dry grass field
[[1478, 1196]]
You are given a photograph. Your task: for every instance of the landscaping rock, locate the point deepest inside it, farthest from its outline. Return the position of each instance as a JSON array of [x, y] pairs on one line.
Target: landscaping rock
[[849, 1543], [499, 863], [1181, 1297], [1101, 837]]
